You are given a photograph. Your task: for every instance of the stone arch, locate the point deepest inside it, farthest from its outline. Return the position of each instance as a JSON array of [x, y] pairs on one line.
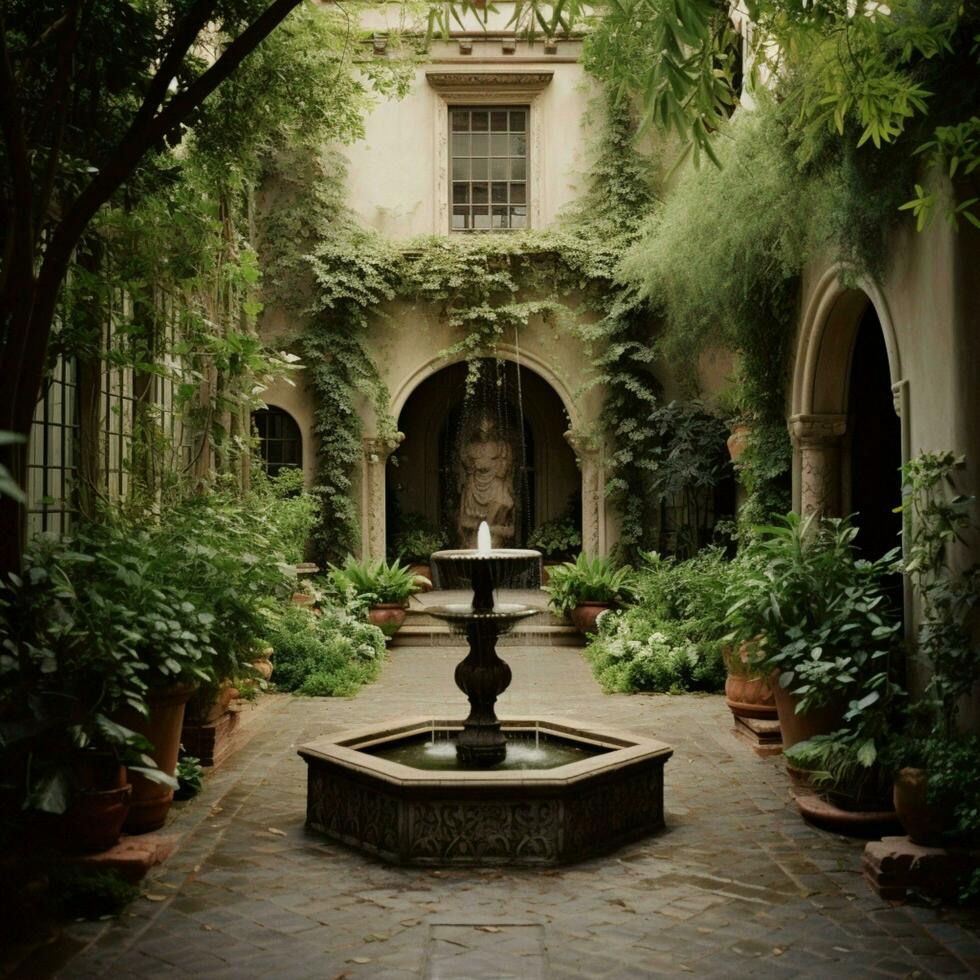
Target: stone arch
[[586, 448], [822, 479]]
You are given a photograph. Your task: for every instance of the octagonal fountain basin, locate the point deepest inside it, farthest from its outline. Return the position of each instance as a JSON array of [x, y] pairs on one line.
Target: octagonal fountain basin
[[565, 791]]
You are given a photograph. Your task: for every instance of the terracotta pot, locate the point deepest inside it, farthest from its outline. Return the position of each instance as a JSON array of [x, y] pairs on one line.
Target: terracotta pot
[[200, 712], [738, 440], [303, 599], [151, 801], [387, 616], [546, 566], [923, 821], [426, 572], [798, 728], [99, 805], [263, 667], [95, 819], [584, 615], [749, 697]]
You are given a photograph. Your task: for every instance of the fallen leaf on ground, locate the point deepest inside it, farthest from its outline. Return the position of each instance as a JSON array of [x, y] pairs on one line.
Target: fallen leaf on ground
[[155, 898], [206, 927], [276, 831], [359, 959], [488, 928]]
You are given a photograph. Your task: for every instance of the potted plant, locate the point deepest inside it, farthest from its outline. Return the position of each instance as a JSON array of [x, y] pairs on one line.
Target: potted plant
[[747, 690], [382, 587], [557, 540], [585, 588], [414, 544], [937, 776], [820, 621], [72, 630]]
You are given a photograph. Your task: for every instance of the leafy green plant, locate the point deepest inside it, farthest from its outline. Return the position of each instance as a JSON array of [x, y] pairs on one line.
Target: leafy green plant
[[416, 540], [818, 615], [670, 639], [375, 580], [330, 654], [846, 764], [190, 776], [587, 579], [560, 537]]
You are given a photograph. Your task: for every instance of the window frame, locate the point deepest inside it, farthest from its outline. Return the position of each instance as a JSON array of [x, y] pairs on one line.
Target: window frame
[[493, 89], [489, 180]]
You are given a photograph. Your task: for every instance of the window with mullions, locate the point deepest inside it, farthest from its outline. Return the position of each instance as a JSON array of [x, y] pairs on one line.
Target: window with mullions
[[280, 442], [488, 160]]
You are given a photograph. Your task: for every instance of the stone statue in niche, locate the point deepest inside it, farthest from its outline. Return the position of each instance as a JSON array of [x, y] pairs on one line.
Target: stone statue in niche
[[486, 482]]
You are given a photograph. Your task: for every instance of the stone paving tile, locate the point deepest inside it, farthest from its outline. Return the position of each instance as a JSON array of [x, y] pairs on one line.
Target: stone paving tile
[[736, 886]]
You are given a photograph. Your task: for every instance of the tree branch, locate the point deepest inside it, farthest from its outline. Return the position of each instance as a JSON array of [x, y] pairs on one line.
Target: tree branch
[[137, 143], [182, 37], [12, 124]]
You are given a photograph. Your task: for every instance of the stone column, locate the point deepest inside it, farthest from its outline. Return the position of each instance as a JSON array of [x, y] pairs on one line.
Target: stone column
[[588, 454], [818, 439], [376, 453]]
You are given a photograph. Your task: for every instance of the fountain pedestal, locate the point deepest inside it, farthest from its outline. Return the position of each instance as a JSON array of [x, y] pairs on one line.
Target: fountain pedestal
[[482, 676]]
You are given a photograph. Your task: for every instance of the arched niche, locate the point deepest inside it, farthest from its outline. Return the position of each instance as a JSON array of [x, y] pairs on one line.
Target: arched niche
[[586, 451], [280, 439], [423, 475]]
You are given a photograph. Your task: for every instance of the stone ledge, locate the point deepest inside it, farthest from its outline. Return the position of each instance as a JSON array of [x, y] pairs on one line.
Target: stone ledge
[[131, 858]]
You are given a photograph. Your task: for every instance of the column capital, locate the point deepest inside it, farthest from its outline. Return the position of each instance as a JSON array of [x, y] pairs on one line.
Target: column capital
[[817, 429], [377, 449], [582, 443]]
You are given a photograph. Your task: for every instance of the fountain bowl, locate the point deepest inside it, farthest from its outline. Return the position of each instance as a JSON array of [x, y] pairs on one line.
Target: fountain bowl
[[485, 817], [508, 567]]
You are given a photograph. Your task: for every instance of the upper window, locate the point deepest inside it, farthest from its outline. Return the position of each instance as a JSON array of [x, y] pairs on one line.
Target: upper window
[[488, 157], [280, 442]]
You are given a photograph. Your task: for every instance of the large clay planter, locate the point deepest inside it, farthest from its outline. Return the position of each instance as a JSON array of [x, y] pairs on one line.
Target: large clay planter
[[798, 728], [151, 801], [200, 713], [585, 614], [98, 808], [750, 697], [387, 616], [923, 821]]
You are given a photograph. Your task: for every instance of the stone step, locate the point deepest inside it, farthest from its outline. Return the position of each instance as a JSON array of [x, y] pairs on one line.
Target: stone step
[[411, 635], [419, 617]]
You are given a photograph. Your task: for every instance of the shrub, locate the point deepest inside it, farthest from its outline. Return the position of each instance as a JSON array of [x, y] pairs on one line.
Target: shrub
[[557, 538], [327, 655], [670, 641], [374, 580]]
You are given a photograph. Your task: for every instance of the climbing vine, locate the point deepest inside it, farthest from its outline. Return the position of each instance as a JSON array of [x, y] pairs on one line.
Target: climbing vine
[[488, 288]]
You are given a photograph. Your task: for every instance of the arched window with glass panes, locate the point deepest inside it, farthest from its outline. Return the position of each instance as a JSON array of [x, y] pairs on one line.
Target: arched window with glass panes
[[280, 441]]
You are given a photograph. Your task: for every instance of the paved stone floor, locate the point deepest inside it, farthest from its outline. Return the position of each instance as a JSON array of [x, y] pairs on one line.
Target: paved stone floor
[[737, 885]]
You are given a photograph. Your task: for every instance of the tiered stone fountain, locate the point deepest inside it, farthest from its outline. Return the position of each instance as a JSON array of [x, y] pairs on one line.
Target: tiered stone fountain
[[482, 790]]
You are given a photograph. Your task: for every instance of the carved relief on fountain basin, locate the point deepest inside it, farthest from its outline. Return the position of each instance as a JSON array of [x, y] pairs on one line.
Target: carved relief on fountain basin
[[612, 795]]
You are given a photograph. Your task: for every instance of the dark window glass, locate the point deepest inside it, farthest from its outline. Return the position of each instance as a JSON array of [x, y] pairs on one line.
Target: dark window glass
[[488, 158], [280, 442]]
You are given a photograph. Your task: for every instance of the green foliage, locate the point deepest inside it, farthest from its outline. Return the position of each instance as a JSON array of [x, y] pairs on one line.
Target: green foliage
[[416, 539], [686, 466], [326, 655], [557, 538], [79, 893], [374, 580], [587, 579], [190, 776], [670, 639], [845, 763], [822, 616], [936, 518]]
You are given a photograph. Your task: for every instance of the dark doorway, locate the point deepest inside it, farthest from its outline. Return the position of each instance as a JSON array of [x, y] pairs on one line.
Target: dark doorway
[[875, 443]]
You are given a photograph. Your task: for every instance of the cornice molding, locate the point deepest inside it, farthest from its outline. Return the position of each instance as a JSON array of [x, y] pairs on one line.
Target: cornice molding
[[451, 82]]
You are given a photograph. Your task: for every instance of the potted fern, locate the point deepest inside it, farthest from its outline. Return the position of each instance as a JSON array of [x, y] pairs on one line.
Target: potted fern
[[382, 587], [585, 588]]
